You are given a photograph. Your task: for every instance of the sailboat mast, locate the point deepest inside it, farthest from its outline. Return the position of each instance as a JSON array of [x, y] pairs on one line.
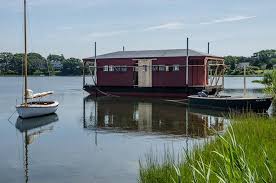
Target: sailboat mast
[[25, 55]]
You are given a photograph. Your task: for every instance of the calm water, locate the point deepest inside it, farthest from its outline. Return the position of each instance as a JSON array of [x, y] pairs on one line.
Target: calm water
[[94, 140]]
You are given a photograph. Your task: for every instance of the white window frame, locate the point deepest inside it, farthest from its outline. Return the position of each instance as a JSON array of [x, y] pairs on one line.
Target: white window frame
[[162, 68], [105, 68], [123, 68], [111, 68], [155, 68], [117, 68], [175, 67]]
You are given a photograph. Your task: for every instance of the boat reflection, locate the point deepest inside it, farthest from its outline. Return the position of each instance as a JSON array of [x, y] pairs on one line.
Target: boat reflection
[[31, 129], [149, 116]]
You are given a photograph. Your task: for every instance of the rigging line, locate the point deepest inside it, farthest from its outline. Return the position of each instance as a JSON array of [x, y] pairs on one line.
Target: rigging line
[[106, 94], [10, 118], [22, 75]]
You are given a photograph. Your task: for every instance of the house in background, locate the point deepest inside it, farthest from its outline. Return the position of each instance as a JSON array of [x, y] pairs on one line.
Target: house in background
[[57, 65], [158, 73], [242, 65]]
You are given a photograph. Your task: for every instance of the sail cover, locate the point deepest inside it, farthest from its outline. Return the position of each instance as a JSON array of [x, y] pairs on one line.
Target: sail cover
[[31, 95]]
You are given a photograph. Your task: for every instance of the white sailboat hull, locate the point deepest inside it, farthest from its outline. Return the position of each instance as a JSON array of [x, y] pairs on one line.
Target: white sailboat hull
[[35, 109]]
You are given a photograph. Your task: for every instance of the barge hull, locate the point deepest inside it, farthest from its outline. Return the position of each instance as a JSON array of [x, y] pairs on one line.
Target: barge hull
[[166, 92]]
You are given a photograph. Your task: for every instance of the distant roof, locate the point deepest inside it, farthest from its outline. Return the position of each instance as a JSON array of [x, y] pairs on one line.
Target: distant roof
[[151, 54]]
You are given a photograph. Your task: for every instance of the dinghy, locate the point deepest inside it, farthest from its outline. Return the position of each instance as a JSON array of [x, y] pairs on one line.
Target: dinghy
[[256, 104], [242, 103], [29, 109]]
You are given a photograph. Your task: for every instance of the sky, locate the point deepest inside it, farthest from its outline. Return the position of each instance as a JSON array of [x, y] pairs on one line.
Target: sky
[[70, 27]]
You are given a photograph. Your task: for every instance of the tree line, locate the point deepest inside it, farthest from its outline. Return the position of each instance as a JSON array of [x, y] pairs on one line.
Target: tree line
[[11, 64], [257, 64]]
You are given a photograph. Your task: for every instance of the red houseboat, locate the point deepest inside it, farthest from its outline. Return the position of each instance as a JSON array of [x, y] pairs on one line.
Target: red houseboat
[[174, 73]]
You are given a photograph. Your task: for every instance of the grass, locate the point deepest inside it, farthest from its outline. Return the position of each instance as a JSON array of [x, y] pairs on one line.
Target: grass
[[246, 153]]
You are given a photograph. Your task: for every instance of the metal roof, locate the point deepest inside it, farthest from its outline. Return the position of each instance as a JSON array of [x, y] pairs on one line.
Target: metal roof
[[151, 54]]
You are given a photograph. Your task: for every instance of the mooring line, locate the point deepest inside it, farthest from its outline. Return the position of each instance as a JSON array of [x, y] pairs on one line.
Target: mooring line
[[10, 118]]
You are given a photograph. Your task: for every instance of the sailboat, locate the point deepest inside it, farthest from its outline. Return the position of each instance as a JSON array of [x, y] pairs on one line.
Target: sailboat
[[33, 108]]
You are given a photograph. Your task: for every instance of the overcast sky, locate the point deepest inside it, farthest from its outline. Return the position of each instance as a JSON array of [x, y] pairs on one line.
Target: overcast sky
[[70, 27]]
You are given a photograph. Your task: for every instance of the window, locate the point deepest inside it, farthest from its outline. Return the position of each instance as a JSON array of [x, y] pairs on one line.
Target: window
[[155, 68], [136, 69], [105, 68], [175, 67], [117, 68], [162, 68], [111, 68], [167, 68], [124, 68]]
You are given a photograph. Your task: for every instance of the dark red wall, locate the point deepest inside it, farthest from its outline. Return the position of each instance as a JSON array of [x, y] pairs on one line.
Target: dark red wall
[[176, 79], [173, 79], [115, 78], [197, 75]]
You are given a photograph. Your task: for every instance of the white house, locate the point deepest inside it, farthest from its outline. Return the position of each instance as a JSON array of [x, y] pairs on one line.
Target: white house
[[56, 64], [242, 65]]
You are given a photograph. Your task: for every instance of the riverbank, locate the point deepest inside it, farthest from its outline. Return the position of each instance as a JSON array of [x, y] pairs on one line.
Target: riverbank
[[247, 152]]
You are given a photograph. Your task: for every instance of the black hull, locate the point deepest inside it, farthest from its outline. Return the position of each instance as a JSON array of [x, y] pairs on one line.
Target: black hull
[[166, 92], [232, 103]]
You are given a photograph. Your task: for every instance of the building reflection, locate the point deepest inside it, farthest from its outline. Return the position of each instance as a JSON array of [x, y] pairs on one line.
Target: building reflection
[[31, 129], [149, 116]]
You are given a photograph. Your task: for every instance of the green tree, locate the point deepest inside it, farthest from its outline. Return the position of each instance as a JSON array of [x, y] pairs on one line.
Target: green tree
[[72, 66], [263, 57], [5, 59], [273, 61], [36, 62], [269, 81], [16, 63], [269, 66], [55, 58], [231, 62]]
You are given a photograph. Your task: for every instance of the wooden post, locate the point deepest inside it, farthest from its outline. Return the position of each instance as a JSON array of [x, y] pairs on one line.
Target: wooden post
[[84, 113], [95, 65], [96, 120], [83, 73], [25, 56], [244, 81], [223, 75], [123, 48], [187, 63]]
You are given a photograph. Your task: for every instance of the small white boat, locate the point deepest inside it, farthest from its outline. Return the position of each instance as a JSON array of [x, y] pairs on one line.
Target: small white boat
[[34, 108]]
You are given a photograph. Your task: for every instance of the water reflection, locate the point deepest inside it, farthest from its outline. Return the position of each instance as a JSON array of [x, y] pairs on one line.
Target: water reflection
[[149, 116], [32, 129]]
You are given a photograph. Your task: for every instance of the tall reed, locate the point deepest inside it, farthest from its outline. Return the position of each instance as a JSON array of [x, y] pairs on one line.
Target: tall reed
[[245, 153]]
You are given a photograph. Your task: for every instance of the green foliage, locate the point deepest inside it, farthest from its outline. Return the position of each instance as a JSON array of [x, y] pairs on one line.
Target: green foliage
[[246, 153], [71, 66], [273, 61], [56, 58], [269, 81], [12, 64], [264, 59], [36, 62]]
